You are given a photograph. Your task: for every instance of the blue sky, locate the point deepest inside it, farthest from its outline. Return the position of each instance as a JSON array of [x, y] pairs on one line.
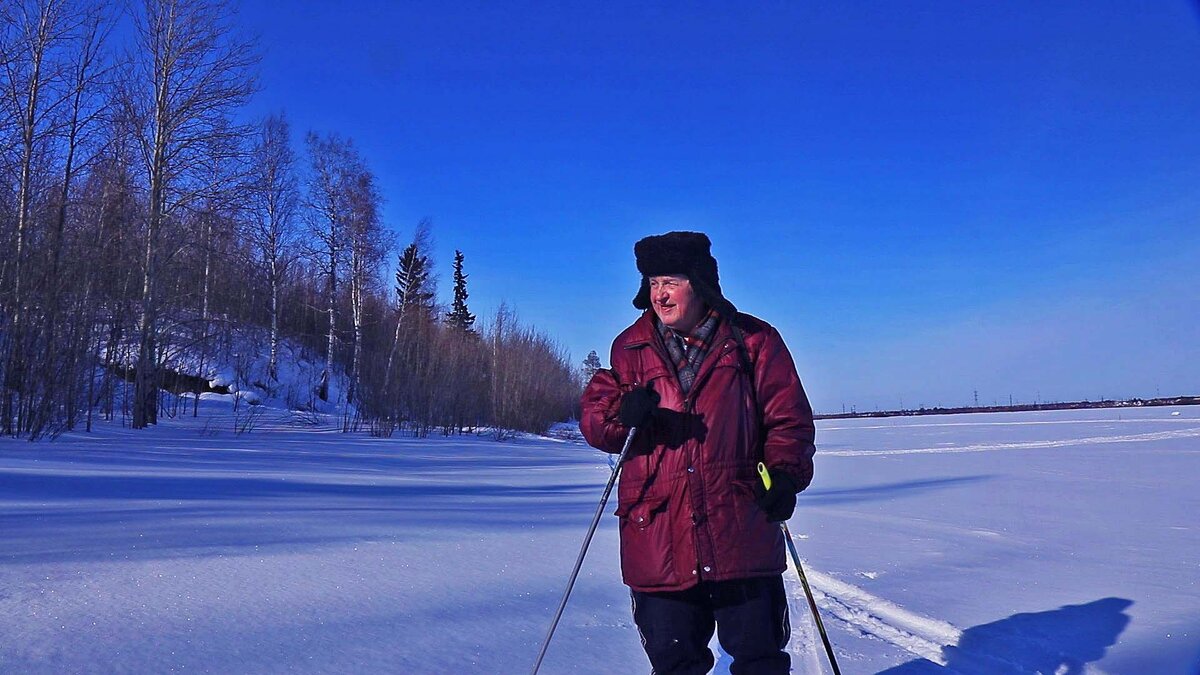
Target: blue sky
[[927, 199]]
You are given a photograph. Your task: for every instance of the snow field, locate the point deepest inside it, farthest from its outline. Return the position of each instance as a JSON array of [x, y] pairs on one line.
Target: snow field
[[997, 543]]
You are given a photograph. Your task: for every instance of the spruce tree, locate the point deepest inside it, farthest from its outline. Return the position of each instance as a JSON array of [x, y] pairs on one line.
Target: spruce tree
[[459, 319], [411, 343], [413, 295], [590, 365]]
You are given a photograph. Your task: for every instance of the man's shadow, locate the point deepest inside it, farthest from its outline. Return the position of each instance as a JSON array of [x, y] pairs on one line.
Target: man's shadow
[[1059, 641]]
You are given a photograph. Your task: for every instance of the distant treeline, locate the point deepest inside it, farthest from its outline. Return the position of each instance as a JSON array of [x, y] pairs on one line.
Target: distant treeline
[[143, 224], [1071, 405]]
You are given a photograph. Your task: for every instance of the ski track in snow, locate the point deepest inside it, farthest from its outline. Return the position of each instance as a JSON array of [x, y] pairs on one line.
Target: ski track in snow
[[1026, 445], [870, 615], [805, 646]]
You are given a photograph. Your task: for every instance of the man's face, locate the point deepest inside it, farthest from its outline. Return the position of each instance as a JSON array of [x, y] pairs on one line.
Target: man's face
[[675, 302]]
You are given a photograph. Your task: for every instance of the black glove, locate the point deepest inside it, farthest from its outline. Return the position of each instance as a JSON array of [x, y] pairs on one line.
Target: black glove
[[780, 501], [637, 407]]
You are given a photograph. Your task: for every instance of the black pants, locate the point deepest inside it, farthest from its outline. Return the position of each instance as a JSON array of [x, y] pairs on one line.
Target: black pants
[[750, 616]]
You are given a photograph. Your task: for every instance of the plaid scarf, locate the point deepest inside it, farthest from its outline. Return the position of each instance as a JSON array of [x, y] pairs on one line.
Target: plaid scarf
[[687, 352]]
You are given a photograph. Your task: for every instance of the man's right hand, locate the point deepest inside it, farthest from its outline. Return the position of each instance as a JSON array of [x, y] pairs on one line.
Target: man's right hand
[[638, 406]]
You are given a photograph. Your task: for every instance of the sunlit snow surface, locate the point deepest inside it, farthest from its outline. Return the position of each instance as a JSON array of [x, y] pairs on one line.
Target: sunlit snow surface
[[1059, 542]]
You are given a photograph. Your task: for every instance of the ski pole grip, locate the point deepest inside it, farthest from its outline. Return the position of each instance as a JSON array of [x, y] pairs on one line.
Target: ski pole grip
[[765, 475]]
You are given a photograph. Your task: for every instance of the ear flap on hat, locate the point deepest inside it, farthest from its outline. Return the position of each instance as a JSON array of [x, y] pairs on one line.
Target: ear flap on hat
[[642, 299], [712, 296]]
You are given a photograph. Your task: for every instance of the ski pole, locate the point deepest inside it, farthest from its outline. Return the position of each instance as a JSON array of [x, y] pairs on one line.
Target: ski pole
[[812, 604], [583, 550]]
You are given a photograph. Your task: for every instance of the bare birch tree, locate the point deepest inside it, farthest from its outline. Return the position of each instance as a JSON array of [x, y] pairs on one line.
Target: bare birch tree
[[33, 32], [367, 244], [328, 207], [274, 200], [51, 53], [86, 84], [345, 202], [189, 74]]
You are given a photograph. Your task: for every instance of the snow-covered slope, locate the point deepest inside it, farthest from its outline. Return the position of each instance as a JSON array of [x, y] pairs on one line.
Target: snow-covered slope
[[1003, 543]]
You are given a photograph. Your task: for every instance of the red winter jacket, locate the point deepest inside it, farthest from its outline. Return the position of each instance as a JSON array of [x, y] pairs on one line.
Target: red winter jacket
[[686, 495]]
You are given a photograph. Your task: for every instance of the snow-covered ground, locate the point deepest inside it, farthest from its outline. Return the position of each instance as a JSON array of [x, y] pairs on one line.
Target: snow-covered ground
[[1057, 542]]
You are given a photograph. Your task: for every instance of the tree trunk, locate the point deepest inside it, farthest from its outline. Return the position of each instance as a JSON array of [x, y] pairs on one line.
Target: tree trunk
[[356, 309], [145, 408], [273, 361], [332, 312], [14, 383]]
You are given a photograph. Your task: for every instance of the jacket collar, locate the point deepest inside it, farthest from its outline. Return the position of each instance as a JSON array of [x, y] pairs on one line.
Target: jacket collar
[[644, 333]]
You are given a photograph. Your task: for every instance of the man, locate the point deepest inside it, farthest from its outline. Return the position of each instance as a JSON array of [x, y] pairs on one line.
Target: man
[[712, 392]]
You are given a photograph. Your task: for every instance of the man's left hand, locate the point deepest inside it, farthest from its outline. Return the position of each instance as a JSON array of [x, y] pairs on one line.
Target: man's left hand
[[780, 501]]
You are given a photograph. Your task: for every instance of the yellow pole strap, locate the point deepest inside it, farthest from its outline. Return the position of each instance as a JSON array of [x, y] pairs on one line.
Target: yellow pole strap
[[765, 475]]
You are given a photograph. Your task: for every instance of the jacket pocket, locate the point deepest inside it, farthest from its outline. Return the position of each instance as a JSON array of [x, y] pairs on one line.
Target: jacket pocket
[[760, 541], [745, 497], [647, 558], [745, 502]]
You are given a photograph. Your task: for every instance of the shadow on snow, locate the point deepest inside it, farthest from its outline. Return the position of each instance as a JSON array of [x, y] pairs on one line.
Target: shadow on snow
[[819, 497], [1059, 641], [104, 502]]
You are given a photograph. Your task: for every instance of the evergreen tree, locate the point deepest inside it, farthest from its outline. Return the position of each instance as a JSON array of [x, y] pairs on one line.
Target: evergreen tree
[[590, 365], [459, 318], [414, 296], [415, 315]]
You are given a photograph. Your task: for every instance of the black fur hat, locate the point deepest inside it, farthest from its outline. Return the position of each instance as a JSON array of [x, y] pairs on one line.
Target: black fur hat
[[686, 253]]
